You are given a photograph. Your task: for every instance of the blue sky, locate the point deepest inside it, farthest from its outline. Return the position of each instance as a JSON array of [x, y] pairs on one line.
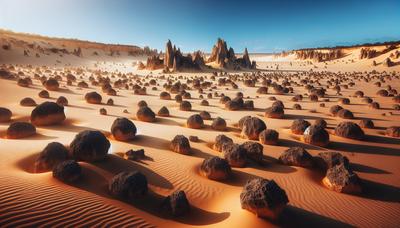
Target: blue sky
[[261, 26]]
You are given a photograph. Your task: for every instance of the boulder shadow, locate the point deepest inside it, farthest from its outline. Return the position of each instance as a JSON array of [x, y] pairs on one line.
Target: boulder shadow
[[152, 204], [150, 141], [115, 164], [382, 139], [360, 148], [379, 191], [297, 217], [367, 169], [291, 143]]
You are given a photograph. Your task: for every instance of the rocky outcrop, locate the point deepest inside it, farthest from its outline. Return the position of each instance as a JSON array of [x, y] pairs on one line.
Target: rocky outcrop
[[174, 60], [319, 56], [225, 58]]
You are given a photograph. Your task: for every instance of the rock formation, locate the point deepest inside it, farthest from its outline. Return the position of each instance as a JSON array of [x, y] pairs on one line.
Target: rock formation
[[225, 58]]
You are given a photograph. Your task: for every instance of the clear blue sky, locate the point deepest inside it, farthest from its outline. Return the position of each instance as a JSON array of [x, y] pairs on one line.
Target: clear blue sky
[[262, 26]]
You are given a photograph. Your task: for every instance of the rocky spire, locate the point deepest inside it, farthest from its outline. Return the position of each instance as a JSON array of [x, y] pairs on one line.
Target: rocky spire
[[169, 55]]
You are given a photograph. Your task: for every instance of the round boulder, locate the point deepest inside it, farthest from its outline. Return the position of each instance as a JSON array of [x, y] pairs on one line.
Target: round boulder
[[393, 131], [67, 171], [89, 146], [195, 121], [123, 129], [316, 135], [254, 151], [176, 204], [220, 141], [234, 154], [269, 137], [264, 198], [299, 126], [340, 178], [180, 144], [93, 98], [349, 130], [47, 113], [296, 156], [145, 114], [128, 185], [252, 127], [53, 154], [18, 130], [218, 124], [215, 168], [5, 115]]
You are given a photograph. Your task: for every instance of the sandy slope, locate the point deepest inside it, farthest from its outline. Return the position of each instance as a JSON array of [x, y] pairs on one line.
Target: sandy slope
[[30, 199]]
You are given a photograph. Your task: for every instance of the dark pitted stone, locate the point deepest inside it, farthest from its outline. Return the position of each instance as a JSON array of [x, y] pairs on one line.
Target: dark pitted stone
[[316, 135], [176, 204], [393, 131], [264, 198], [366, 123], [128, 185], [349, 130], [345, 114], [67, 171], [44, 94], [5, 115], [335, 109], [296, 156], [269, 137], [62, 101], [28, 102], [180, 144], [93, 98], [89, 146], [145, 114], [185, 106], [164, 112], [219, 124], [18, 130], [320, 123], [195, 121], [215, 168], [254, 150], [340, 178], [51, 155], [123, 129], [47, 113], [135, 155], [327, 160], [275, 112], [220, 140], [252, 127], [234, 154], [299, 126]]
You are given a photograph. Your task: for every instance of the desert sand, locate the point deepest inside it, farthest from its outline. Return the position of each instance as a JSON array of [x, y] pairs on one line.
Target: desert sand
[[28, 198]]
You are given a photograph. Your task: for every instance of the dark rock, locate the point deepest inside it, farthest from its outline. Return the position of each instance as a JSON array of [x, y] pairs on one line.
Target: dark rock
[[180, 144], [47, 113], [128, 185], [176, 204], [252, 127], [264, 198], [296, 156], [349, 130], [18, 130], [123, 129], [89, 146], [67, 171], [215, 168], [51, 155]]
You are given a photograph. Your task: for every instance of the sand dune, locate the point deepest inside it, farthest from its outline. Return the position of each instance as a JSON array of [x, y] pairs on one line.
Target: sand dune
[[37, 199]]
